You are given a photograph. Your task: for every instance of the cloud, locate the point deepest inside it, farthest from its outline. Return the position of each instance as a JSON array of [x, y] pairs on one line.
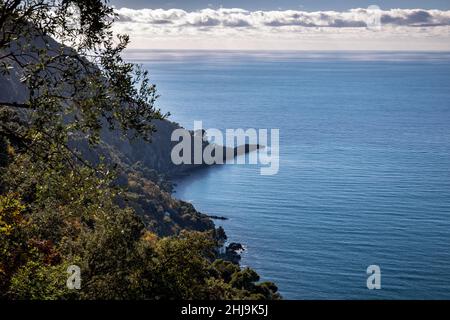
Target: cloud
[[238, 17], [351, 25], [418, 17]]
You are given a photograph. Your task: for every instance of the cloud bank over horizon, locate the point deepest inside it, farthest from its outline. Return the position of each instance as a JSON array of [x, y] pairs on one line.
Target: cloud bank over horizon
[[363, 29]]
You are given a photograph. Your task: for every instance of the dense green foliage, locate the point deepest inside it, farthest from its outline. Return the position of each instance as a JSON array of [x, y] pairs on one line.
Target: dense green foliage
[[59, 209]]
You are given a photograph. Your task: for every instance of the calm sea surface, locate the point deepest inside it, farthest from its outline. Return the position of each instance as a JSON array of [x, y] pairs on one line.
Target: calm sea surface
[[364, 172]]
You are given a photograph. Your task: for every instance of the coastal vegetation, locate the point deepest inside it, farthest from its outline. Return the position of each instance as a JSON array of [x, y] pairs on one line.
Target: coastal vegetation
[[68, 196]]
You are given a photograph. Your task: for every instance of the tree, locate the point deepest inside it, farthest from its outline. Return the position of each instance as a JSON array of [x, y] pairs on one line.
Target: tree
[[73, 87], [12, 245]]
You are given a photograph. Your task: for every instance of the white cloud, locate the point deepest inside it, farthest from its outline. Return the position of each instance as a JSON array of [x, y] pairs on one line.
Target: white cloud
[[401, 29]]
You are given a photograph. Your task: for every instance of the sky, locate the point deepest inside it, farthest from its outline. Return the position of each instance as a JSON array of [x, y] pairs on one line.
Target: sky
[[308, 5], [285, 24]]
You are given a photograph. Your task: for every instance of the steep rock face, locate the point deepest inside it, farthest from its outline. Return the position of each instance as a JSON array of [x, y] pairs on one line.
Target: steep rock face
[[155, 154], [11, 90]]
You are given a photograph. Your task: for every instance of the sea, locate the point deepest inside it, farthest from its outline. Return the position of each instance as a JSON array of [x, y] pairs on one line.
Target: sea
[[364, 164]]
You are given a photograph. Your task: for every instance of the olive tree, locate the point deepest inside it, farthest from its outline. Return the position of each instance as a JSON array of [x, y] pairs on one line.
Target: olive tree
[[71, 80]]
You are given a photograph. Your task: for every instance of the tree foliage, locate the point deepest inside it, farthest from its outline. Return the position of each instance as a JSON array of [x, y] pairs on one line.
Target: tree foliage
[[73, 87]]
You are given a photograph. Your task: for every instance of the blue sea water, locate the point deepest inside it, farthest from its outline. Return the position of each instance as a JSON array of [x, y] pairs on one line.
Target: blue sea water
[[364, 164]]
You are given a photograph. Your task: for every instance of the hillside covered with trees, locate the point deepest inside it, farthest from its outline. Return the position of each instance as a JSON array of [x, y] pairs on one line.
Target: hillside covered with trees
[[69, 195]]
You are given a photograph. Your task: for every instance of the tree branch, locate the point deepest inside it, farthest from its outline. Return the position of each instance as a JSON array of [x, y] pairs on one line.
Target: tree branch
[[16, 105]]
